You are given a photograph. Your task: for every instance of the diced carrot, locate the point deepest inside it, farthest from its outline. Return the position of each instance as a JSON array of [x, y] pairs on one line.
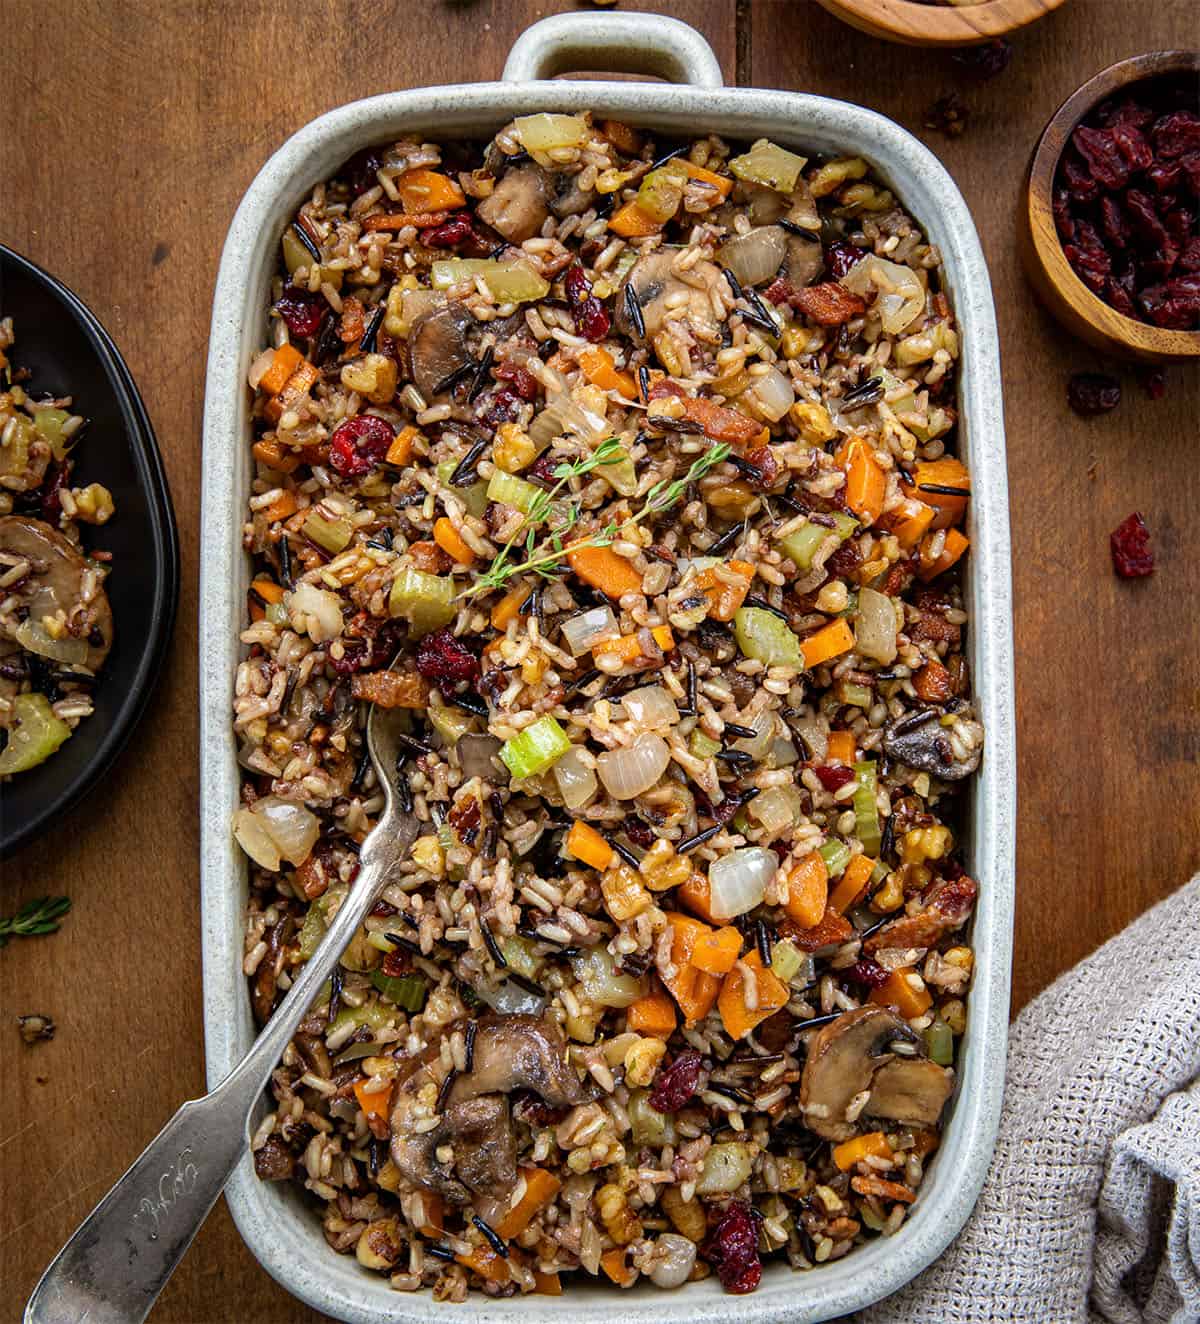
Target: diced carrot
[[401, 220], [629, 648], [588, 846], [597, 365], [808, 890], [540, 1189], [879, 1186], [832, 641], [283, 506], [899, 993], [736, 1016], [284, 362], [933, 682], [947, 472], [433, 1214], [952, 550], [722, 183], [374, 1103], [908, 521], [613, 1264], [451, 542], [428, 190], [257, 611], [866, 483], [622, 137], [849, 1152], [831, 930], [631, 222], [297, 388], [925, 1142], [841, 747], [715, 952], [604, 569], [267, 590], [400, 451], [851, 884], [692, 989], [720, 423], [546, 1284], [725, 597], [697, 896], [272, 454], [653, 1013], [509, 606], [486, 1263]]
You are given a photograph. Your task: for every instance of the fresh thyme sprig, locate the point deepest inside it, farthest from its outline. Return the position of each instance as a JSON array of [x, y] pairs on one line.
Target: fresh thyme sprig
[[42, 915], [547, 560]]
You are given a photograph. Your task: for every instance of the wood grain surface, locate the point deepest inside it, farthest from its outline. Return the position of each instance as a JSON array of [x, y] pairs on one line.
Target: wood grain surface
[[132, 131]]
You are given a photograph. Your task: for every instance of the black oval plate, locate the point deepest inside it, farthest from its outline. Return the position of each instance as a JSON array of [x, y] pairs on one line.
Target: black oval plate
[[68, 352]]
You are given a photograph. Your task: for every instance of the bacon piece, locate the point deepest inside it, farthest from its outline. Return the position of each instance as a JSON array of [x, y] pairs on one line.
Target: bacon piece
[[829, 304], [947, 905]]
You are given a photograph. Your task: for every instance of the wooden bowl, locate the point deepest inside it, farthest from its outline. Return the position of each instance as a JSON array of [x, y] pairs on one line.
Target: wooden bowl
[[914, 24], [1056, 285]]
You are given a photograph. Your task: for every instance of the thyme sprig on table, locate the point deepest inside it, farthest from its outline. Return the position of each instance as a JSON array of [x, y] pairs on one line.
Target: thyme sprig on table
[[44, 914], [547, 559]]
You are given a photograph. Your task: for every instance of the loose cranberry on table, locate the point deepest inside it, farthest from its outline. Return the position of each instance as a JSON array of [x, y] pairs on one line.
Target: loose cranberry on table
[[359, 445], [1091, 393], [1130, 545]]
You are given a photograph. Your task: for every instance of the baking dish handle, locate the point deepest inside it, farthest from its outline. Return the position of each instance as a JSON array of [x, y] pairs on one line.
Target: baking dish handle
[[620, 43]]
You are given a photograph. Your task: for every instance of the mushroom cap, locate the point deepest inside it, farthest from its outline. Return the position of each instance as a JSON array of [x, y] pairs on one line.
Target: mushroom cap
[[654, 280], [911, 1090], [56, 582], [437, 346], [518, 205], [924, 745], [520, 1052], [479, 1131]]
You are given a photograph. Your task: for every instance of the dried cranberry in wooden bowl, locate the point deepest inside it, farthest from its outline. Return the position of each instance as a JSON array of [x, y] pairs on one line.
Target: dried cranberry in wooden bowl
[[1109, 219]]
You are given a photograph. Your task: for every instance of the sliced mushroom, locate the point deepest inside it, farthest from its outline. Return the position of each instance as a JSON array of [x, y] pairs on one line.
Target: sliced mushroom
[[920, 741], [60, 580], [804, 260], [518, 205], [841, 1065], [437, 346], [482, 1150], [567, 198], [911, 1090], [654, 282], [520, 1052]]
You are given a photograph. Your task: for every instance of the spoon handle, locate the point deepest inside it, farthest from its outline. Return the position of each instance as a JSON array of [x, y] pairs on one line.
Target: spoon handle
[[114, 1267]]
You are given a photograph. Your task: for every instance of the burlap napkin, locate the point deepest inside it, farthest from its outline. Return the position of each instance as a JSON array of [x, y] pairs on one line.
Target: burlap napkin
[[1091, 1210]]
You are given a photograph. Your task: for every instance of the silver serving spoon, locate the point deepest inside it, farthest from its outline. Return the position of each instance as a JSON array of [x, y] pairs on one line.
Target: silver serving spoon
[[119, 1260]]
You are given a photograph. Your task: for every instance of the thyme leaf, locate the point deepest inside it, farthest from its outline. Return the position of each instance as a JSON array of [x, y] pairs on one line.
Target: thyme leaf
[[41, 915]]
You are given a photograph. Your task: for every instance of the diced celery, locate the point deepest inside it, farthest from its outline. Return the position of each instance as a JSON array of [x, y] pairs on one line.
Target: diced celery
[[650, 1127], [879, 873], [620, 475], [372, 1014], [425, 601], [536, 749], [507, 282], [836, 855], [295, 255], [35, 734], [518, 952], [763, 636], [661, 192], [770, 165], [332, 534], [741, 822], [786, 960], [49, 424], [277, 613], [475, 497], [801, 544], [701, 746], [311, 931], [850, 610], [407, 991], [866, 815], [512, 491], [857, 696], [939, 1043], [450, 723]]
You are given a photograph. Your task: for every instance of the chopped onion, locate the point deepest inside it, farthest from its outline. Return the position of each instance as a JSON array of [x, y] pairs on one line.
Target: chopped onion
[[588, 628], [783, 753], [69, 650], [901, 297], [477, 754], [576, 781], [755, 257], [315, 611], [756, 746], [650, 708], [258, 369], [510, 999], [628, 772], [770, 395], [738, 881], [774, 809], [875, 626], [674, 1260], [815, 735], [272, 829], [564, 416], [726, 1167], [545, 132], [602, 982]]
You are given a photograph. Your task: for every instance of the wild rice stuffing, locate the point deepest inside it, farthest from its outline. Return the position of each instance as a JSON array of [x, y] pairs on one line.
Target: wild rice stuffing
[[640, 466], [56, 625]]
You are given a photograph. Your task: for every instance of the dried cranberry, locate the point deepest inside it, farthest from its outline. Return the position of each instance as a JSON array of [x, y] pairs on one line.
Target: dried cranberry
[[1064, 223], [1113, 222], [733, 1248], [576, 286], [1105, 161], [641, 834], [763, 459], [868, 971], [1081, 185], [356, 654], [841, 256], [1125, 111], [1176, 134], [1191, 168], [1119, 293], [1143, 216], [1164, 175], [833, 776], [1181, 225], [1091, 265], [1175, 304], [359, 445], [677, 1083], [49, 498], [1159, 263], [1189, 259], [1132, 145], [303, 312], [541, 471], [1154, 382], [592, 321], [1090, 393], [501, 406], [460, 234], [382, 909], [522, 380], [845, 560], [985, 61], [398, 962], [1130, 545], [440, 656], [360, 170]]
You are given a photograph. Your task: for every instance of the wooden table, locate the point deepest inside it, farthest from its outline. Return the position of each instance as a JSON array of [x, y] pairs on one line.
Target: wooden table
[[135, 131]]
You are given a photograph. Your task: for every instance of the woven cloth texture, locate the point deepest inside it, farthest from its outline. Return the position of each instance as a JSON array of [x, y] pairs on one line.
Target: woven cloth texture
[[1091, 1209]]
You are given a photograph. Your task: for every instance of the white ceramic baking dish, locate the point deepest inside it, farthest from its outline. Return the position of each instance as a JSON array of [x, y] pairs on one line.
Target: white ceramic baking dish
[[284, 1235]]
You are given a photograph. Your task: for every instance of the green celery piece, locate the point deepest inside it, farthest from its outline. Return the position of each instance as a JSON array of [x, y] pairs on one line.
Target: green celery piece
[[939, 1043], [536, 749], [836, 855], [475, 497], [510, 490], [763, 636], [36, 733], [407, 991], [866, 815], [786, 960], [425, 601], [701, 746]]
